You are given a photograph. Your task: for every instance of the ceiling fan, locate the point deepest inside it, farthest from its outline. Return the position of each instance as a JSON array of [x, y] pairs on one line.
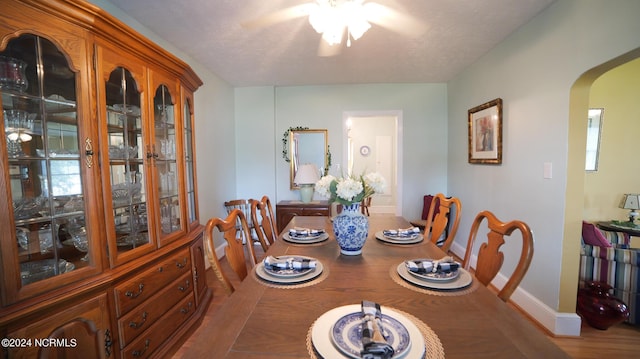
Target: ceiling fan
[[338, 20]]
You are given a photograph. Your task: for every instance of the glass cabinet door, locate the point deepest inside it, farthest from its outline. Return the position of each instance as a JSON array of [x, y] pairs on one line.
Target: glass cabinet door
[[127, 174], [165, 161], [189, 158], [43, 143]]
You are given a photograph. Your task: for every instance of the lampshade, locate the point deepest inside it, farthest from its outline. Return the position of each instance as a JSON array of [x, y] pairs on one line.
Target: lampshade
[[630, 201], [307, 174]]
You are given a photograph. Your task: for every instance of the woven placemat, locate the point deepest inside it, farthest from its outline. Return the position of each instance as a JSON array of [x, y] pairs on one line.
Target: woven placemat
[[310, 282], [434, 349], [393, 272]]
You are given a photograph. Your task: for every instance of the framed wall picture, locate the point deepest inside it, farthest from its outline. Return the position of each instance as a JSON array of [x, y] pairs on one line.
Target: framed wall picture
[[485, 133]]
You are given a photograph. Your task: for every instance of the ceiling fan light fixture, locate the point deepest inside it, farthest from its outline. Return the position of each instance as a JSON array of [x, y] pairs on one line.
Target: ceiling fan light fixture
[[331, 17]]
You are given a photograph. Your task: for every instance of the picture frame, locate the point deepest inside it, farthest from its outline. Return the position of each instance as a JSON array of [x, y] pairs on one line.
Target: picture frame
[[485, 133]]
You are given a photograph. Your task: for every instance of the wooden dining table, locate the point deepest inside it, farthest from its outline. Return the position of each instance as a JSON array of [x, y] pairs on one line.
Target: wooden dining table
[[261, 320]]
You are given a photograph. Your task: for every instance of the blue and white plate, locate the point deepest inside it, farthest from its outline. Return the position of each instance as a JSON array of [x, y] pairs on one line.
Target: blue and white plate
[[306, 239], [346, 335], [436, 276], [322, 328], [415, 238], [286, 273], [266, 274]]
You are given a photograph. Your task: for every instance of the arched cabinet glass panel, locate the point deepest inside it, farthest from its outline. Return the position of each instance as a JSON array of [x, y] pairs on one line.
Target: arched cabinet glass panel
[[126, 162], [165, 162], [42, 136]]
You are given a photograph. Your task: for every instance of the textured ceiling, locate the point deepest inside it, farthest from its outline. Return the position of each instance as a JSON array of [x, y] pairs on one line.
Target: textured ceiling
[[457, 33]]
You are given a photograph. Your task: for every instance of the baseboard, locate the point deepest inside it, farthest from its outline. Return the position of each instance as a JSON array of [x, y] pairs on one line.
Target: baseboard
[[557, 323]]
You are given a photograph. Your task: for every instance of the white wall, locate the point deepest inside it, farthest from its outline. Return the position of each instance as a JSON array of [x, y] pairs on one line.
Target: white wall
[[424, 109], [533, 71], [258, 147]]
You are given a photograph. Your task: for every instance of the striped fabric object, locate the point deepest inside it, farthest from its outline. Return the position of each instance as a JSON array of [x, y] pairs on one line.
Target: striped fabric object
[[615, 266]]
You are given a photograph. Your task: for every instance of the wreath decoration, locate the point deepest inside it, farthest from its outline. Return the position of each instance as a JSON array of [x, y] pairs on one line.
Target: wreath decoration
[[285, 141]]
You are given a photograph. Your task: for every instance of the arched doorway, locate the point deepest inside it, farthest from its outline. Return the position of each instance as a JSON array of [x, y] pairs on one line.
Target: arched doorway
[[574, 195]]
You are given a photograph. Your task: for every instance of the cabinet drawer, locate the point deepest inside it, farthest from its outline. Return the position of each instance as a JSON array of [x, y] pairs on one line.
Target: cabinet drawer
[[139, 319], [157, 334], [136, 290]]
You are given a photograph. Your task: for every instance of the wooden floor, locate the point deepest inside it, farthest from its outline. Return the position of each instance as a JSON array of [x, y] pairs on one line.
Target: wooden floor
[[619, 342]]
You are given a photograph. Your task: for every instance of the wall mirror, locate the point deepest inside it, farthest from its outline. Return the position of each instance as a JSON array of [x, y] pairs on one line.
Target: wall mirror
[[594, 128], [307, 146]]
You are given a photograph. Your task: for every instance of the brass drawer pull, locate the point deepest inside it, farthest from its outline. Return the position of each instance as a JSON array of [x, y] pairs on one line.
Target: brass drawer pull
[[185, 287], [187, 309], [135, 325], [131, 294], [139, 353], [181, 265]]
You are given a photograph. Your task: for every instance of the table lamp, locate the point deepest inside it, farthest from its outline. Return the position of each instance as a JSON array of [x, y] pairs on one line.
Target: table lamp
[[632, 202], [306, 178]]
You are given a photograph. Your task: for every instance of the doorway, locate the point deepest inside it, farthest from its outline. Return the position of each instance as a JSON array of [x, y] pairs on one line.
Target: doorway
[[372, 140]]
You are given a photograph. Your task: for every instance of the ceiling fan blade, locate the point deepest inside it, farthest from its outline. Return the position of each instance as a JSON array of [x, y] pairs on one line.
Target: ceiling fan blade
[[275, 17], [394, 20], [326, 50]]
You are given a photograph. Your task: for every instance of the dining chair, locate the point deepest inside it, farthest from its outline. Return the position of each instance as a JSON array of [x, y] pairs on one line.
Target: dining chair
[[234, 251], [245, 207], [490, 258], [265, 224], [364, 206], [440, 223]]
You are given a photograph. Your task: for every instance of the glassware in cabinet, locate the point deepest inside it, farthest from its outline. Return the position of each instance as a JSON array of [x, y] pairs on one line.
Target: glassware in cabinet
[[43, 137], [166, 162], [127, 170]]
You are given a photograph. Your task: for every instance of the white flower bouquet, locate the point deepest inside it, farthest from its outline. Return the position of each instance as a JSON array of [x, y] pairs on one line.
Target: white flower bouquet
[[350, 190]]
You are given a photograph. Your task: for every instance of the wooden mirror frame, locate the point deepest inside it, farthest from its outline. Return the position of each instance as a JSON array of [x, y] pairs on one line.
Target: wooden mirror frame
[[300, 153]]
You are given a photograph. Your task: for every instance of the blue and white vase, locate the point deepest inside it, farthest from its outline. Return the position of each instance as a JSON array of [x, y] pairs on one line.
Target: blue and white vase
[[351, 228]]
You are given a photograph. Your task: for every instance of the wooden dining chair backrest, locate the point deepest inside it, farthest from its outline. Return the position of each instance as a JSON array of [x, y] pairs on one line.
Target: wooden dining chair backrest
[[245, 207], [490, 258], [265, 223], [234, 250], [440, 222], [364, 206]]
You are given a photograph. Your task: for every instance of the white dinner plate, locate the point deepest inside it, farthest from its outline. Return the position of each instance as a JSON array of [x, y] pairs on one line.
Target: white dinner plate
[[399, 240], [463, 280], [321, 332], [263, 274], [305, 240]]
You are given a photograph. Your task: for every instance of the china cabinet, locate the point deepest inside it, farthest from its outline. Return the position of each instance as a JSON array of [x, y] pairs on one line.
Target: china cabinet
[[101, 249]]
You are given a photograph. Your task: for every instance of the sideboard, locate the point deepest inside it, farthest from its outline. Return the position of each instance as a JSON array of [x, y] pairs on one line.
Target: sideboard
[[286, 210]]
